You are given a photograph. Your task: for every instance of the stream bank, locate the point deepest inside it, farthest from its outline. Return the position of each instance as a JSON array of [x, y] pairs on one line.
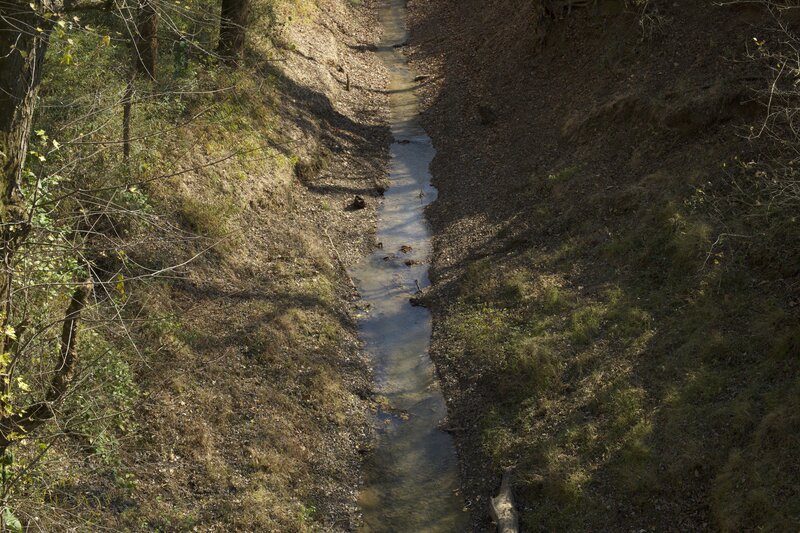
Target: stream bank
[[593, 325], [252, 391]]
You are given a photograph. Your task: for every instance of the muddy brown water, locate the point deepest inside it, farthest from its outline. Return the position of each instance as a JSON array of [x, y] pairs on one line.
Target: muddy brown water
[[411, 477]]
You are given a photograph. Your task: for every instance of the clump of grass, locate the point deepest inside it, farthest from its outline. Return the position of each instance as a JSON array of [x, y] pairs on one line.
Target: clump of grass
[[585, 323], [514, 287], [565, 173], [690, 242], [752, 485], [498, 439], [635, 466], [532, 365], [207, 218], [555, 299], [475, 285], [309, 168], [622, 405]]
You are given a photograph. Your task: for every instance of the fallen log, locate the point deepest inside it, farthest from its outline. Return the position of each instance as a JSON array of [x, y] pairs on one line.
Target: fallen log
[[502, 509]]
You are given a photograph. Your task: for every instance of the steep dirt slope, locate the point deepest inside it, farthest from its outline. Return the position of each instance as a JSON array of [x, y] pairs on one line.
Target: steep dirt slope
[[608, 320], [251, 391], [260, 426]]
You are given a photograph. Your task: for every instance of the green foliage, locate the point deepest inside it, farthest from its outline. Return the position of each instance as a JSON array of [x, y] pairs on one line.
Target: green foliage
[[10, 521], [96, 212]]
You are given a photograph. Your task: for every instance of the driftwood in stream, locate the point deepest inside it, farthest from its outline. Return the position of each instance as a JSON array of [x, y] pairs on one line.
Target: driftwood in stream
[[502, 507]]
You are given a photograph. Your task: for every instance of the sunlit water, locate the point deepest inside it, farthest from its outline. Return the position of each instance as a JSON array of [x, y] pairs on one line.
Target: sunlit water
[[412, 475]]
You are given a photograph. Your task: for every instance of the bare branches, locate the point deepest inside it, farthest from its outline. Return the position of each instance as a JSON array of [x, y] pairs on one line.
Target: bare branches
[[18, 425], [756, 200], [79, 190]]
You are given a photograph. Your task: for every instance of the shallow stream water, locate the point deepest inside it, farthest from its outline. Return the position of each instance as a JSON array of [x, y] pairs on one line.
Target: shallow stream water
[[412, 475]]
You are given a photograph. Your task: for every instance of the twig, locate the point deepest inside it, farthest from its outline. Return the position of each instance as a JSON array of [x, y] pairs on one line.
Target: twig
[[341, 262]]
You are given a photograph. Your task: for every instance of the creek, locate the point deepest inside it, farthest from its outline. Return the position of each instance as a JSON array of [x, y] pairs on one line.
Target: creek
[[411, 476]]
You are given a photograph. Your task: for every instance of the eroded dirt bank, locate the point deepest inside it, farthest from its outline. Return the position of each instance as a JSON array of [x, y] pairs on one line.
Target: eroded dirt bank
[[252, 392], [264, 418], [595, 325]]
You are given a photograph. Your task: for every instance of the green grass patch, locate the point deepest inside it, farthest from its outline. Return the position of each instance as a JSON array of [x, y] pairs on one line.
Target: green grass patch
[[672, 370]]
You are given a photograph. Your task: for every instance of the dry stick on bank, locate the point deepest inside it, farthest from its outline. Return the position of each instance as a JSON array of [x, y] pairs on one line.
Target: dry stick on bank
[[341, 262], [502, 507]]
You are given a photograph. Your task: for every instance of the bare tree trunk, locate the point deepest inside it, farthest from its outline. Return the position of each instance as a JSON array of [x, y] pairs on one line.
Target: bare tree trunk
[[232, 28], [146, 41]]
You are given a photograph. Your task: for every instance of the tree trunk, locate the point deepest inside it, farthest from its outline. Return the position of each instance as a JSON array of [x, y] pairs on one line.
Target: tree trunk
[[23, 42], [21, 59], [127, 102], [232, 28], [29, 418], [146, 41]]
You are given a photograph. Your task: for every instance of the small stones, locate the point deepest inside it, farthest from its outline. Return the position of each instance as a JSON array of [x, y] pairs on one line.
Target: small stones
[[357, 203], [406, 249], [419, 299]]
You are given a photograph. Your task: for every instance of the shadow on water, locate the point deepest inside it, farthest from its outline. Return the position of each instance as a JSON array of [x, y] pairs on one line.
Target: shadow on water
[[412, 475]]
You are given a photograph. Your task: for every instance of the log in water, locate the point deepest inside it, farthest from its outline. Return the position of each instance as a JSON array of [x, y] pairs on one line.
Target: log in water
[[412, 475]]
